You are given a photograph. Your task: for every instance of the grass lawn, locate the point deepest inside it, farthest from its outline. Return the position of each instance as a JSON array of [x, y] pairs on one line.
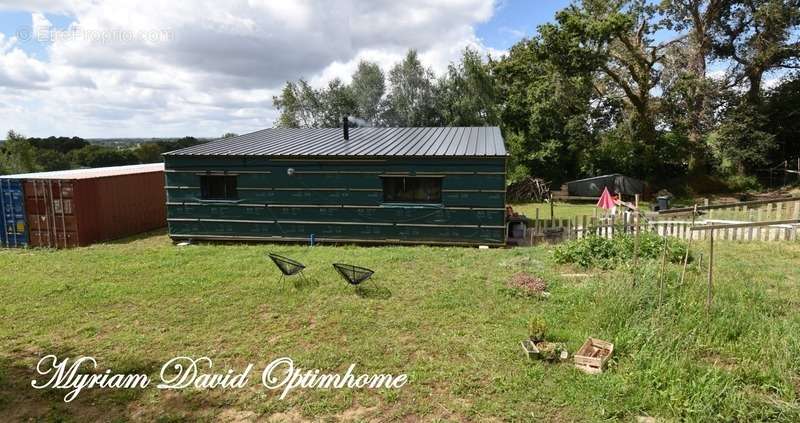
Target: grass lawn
[[563, 210], [441, 315], [560, 210]]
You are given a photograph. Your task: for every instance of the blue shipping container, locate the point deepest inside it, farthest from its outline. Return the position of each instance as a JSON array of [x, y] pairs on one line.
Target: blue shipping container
[[12, 214]]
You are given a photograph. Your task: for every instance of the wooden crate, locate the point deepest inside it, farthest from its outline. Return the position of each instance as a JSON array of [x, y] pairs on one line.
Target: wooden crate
[[593, 355]]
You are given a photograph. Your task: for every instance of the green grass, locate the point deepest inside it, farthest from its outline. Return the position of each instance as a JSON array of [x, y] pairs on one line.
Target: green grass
[[441, 315], [560, 210], [563, 210]]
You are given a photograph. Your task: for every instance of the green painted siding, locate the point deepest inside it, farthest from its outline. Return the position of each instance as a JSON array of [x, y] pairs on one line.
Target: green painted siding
[[337, 201]]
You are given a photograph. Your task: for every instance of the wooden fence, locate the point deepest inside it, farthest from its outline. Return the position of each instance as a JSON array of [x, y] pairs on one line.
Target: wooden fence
[[785, 214]]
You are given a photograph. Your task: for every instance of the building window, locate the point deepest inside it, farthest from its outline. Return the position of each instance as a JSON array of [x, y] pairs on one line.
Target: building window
[[412, 190], [218, 187]]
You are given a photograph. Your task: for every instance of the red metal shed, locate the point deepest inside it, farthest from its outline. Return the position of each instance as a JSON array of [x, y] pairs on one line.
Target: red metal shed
[[79, 207]]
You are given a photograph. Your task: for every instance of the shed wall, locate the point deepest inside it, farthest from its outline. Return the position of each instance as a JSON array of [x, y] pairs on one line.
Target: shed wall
[[337, 200]]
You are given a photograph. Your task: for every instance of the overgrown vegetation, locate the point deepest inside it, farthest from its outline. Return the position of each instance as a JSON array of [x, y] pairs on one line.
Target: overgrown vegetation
[[605, 253], [447, 323]]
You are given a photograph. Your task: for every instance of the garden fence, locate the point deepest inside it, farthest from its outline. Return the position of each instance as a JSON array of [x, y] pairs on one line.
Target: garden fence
[[785, 214]]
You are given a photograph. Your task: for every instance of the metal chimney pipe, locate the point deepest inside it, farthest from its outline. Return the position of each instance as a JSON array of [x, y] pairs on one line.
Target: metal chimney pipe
[[345, 128]]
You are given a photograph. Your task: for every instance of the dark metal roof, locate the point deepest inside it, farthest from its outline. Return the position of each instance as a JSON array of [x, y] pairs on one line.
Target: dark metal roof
[[451, 141]]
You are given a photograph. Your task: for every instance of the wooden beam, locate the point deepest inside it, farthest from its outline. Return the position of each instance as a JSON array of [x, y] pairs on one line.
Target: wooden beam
[[727, 206], [747, 225]]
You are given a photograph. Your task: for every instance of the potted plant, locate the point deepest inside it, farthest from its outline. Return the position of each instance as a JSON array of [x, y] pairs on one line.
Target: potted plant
[[536, 346]]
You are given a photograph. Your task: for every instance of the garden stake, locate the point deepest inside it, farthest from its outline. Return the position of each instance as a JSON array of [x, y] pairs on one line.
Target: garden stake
[[663, 269], [710, 268], [636, 230], [688, 245]]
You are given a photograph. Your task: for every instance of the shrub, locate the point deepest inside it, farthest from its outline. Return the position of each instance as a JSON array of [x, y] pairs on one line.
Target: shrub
[[738, 183], [594, 251]]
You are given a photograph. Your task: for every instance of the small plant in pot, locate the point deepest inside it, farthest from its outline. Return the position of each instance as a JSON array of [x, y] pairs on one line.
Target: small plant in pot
[[536, 346], [537, 329]]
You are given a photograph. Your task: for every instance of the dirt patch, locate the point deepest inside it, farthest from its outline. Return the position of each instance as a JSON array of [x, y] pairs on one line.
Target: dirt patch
[[720, 361], [528, 284], [575, 275], [359, 414], [230, 415], [291, 416]]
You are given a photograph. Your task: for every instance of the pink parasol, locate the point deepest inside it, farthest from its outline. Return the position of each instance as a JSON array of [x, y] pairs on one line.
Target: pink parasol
[[605, 201]]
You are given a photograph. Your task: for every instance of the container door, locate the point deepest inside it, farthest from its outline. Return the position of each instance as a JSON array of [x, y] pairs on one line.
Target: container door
[[51, 215], [14, 232]]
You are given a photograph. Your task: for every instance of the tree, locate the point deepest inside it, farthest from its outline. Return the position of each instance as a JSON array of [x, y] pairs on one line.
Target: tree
[[411, 97], [229, 135], [758, 36], [368, 88], [742, 142], [19, 156], [184, 142], [100, 156], [466, 95], [299, 105], [48, 160], [335, 101], [546, 113], [61, 144], [688, 90], [148, 153], [782, 110], [613, 39]]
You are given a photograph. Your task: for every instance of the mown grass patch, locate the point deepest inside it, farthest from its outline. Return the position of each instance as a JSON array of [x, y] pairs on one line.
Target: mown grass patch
[[444, 317]]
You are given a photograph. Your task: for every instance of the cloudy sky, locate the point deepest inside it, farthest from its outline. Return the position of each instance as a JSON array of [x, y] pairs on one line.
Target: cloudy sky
[[118, 68]]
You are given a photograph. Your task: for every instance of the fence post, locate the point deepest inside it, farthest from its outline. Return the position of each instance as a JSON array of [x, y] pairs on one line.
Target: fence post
[[576, 228], [613, 224], [584, 228], [759, 215]]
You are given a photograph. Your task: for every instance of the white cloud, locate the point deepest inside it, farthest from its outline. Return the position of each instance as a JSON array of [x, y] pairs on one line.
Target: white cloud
[[155, 68], [40, 24]]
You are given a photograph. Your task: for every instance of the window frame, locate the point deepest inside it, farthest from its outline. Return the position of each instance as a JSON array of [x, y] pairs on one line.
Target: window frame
[[437, 201], [205, 188]]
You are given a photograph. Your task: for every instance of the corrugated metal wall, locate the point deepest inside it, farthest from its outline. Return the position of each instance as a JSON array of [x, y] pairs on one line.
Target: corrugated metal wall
[[338, 201], [70, 213], [12, 214]]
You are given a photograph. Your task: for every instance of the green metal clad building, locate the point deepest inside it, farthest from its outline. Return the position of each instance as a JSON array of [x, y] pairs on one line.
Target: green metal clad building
[[359, 185]]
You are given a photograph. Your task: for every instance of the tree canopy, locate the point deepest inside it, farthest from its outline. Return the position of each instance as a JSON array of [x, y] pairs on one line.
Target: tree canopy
[[664, 90]]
